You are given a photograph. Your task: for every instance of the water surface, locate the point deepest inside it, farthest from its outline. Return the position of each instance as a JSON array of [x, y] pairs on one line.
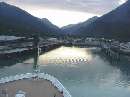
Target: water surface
[[85, 72]]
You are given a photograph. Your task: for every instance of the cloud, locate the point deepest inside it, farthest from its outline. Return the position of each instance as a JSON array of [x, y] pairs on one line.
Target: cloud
[[121, 1], [89, 6]]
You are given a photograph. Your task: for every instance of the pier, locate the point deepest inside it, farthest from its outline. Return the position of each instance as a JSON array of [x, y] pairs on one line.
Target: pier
[[25, 46], [28, 49]]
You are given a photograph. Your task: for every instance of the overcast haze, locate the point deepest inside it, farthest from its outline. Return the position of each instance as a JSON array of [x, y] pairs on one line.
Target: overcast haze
[[79, 8]]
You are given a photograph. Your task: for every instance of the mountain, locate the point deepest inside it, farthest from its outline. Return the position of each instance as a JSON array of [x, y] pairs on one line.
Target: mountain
[[50, 25], [115, 24], [15, 21], [74, 28]]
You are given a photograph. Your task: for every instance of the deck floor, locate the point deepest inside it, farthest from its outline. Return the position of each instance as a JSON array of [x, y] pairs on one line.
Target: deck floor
[[33, 88]]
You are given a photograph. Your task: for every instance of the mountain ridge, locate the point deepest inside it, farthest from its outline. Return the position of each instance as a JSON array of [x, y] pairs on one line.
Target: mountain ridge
[[71, 28], [15, 21], [114, 24]]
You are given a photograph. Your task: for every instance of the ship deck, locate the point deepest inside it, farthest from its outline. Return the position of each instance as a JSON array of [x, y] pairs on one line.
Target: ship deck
[[32, 88]]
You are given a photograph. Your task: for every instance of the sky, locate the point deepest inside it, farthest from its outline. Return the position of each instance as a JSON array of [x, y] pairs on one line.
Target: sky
[[64, 12]]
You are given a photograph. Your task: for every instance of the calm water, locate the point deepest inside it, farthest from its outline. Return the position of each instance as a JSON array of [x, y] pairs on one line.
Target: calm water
[[85, 72]]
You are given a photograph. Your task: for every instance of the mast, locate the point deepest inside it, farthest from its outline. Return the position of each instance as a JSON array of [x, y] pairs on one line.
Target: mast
[[36, 53]]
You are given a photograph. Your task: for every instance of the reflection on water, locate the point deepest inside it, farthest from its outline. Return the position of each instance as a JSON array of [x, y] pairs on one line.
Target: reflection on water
[[85, 72], [36, 56], [65, 55]]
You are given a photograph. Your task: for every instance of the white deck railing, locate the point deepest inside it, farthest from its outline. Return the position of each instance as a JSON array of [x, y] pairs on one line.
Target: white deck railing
[[48, 77]]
